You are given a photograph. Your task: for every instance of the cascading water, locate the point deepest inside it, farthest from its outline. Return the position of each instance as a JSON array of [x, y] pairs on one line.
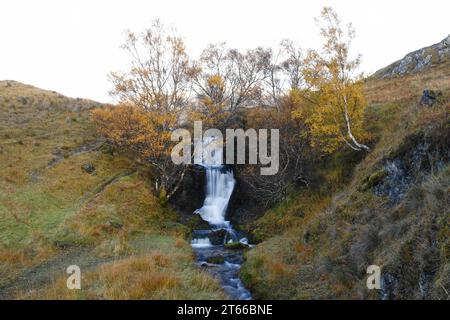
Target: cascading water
[[219, 187], [220, 261]]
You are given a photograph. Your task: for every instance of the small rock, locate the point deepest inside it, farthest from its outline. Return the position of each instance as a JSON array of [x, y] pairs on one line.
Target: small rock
[[205, 265], [430, 97], [307, 237], [300, 214], [62, 244], [88, 168]]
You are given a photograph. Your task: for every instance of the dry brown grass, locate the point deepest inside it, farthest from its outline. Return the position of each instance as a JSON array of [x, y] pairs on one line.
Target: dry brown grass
[[55, 215], [407, 88], [155, 276], [331, 246]]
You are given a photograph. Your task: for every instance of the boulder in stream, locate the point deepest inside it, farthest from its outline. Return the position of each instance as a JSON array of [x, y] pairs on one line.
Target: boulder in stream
[[217, 237], [217, 259], [236, 246]]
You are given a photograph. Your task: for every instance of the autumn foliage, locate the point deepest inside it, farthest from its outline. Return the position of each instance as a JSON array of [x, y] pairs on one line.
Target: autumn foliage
[[145, 136], [135, 130], [313, 97]]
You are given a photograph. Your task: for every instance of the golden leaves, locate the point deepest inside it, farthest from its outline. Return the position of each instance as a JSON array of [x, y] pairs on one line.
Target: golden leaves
[[130, 128]]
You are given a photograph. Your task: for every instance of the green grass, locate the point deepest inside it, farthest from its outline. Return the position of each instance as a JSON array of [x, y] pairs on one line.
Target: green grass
[[53, 213], [58, 195]]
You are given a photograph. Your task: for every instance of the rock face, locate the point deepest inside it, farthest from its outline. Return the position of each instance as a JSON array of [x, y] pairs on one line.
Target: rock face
[[396, 181], [243, 208], [419, 154], [418, 61], [191, 193], [217, 237]]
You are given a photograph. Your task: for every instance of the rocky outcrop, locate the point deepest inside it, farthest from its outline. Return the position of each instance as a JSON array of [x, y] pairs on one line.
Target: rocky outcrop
[[418, 61], [419, 154]]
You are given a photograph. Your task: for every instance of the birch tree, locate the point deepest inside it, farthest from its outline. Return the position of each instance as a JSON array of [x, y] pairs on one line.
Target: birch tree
[[153, 94], [337, 94]]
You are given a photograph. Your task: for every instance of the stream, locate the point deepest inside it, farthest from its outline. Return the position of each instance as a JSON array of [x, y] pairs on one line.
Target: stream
[[212, 246]]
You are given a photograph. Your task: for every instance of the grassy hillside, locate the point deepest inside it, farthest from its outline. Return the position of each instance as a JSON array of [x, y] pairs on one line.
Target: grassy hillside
[[64, 199], [391, 209]]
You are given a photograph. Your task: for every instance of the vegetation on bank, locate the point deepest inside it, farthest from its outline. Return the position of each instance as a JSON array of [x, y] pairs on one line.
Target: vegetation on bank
[[392, 212], [161, 268], [363, 178], [66, 199], [314, 98]]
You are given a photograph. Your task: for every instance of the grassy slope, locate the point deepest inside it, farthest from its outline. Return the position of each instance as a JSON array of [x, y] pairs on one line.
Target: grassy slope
[[331, 237], [54, 214]]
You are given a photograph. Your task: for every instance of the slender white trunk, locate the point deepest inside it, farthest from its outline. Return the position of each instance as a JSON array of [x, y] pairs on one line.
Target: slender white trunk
[[359, 146], [177, 186]]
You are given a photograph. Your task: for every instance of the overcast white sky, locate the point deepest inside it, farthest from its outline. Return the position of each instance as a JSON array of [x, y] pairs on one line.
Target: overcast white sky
[[71, 45]]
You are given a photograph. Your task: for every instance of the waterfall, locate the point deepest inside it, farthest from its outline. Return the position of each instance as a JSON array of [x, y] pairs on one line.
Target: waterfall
[[219, 185]]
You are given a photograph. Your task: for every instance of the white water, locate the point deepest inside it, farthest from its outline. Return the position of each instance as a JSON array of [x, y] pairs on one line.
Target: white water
[[201, 243], [219, 185]]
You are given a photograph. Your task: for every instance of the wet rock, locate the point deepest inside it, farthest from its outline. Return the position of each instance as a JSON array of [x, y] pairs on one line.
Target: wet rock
[[430, 97], [244, 208], [218, 259], [88, 168], [195, 222], [236, 246], [206, 265], [191, 194], [217, 237]]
